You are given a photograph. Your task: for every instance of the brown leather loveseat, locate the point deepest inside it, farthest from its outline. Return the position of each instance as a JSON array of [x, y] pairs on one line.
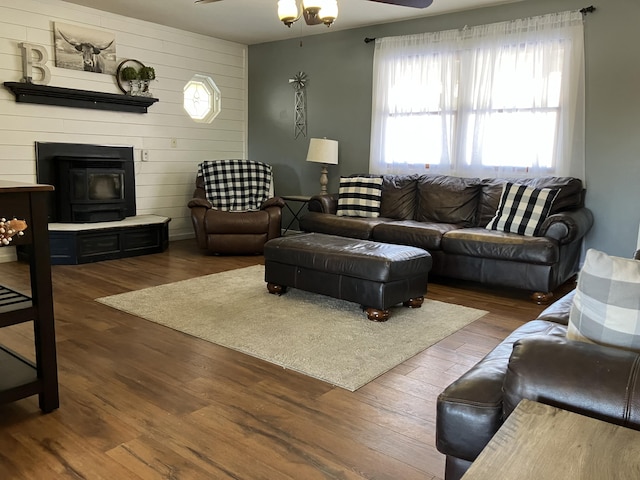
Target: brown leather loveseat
[[447, 215], [536, 362]]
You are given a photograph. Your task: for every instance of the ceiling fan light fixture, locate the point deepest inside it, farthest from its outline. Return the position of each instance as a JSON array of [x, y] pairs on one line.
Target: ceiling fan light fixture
[[314, 11], [329, 12], [313, 7], [288, 12]]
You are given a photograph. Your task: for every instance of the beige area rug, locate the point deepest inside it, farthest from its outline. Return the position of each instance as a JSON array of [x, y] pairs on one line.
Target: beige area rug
[[319, 336]]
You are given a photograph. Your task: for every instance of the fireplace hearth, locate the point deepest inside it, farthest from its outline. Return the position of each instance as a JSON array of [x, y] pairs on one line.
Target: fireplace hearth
[[92, 216], [93, 183]]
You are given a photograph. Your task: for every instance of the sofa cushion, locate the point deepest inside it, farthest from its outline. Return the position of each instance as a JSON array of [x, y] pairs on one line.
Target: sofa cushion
[[570, 195], [398, 197], [426, 235], [606, 305], [352, 227], [447, 199], [559, 310], [522, 209], [483, 243], [359, 197]]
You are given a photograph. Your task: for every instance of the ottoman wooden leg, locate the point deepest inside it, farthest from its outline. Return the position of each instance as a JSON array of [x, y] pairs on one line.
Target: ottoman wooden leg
[[542, 298], [276, 289], [377, 315], [413, 302]]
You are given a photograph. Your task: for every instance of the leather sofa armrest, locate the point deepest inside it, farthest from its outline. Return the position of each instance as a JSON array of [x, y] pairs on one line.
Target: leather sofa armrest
[[469, 411], [593, 380], [566, 227], [324, 203], [272, 202], [199, 202]]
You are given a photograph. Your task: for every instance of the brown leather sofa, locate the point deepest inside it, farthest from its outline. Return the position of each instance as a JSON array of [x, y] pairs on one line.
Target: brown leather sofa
[[236, 233], [538, 363], [446, 216]]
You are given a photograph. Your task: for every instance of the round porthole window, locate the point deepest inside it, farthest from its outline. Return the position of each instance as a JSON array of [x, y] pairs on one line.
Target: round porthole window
[[202, 99]]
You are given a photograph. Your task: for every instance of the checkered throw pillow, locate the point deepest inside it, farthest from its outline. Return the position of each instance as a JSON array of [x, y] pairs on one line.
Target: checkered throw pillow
[[359, 197], [522, 209], [606, 305], [236, 185]]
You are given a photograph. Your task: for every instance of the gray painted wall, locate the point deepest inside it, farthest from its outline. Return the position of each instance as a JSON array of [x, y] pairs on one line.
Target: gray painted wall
[[339, 70]]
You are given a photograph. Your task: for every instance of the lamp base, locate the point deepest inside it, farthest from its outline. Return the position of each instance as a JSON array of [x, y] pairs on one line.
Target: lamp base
[[324, 179]]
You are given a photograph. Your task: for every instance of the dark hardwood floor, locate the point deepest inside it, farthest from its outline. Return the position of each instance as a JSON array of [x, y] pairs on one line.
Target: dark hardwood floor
[[142, 401]]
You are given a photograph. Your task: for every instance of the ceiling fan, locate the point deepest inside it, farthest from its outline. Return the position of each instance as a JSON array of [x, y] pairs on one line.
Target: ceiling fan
[[406, 3], [402, 3], [326, 12]]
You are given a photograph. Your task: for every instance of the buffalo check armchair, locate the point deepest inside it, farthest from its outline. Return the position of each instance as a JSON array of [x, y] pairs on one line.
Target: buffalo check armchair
[[233, 209]]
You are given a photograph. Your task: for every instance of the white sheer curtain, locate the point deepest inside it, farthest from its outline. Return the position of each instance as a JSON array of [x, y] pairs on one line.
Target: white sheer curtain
[[505, 99]]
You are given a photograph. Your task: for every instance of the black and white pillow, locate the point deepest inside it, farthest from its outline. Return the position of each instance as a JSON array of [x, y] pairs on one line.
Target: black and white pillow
[[522, 209], [359, 197]]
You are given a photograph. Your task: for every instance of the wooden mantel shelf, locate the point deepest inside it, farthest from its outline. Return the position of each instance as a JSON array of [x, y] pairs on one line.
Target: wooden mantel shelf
[[69, 97]]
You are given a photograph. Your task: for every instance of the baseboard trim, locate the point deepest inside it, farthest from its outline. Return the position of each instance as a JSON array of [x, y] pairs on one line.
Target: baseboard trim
[[8, 254]]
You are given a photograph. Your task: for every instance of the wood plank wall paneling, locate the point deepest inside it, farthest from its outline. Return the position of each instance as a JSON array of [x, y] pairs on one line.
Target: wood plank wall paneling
[[165, 183]]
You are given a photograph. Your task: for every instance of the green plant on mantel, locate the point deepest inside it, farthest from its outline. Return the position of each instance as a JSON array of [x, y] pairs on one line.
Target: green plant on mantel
[[147, 73], [129, 73]]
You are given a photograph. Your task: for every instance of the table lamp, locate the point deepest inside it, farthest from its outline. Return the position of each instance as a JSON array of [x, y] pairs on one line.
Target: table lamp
[[324, 151]]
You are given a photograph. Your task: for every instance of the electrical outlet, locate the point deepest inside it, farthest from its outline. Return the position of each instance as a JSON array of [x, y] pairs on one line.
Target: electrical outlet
[[145, 155], [174, 143]]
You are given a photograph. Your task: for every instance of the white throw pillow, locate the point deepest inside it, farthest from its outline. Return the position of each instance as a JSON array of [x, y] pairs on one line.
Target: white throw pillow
[[522, 209], [606, 305], [359, 197]]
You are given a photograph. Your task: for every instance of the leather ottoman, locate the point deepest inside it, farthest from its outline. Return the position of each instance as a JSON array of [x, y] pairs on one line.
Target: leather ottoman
[[376, 275]]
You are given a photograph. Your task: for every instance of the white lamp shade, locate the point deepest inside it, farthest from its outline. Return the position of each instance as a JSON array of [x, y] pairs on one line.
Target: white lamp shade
[[323, 150]]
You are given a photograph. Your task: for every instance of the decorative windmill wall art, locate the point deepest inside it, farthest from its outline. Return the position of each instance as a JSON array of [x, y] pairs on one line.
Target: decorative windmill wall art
[[299, 81]]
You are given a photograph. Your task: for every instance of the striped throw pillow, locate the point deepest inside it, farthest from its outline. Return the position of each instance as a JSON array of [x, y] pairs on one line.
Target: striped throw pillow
[[359, 197], [522, 209], [606, 305]]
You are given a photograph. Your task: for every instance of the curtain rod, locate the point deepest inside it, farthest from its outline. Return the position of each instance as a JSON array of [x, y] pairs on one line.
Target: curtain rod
[[583, 11]]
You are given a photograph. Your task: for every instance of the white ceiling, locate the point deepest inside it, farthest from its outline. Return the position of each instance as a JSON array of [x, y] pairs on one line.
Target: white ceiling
[[256, 21]]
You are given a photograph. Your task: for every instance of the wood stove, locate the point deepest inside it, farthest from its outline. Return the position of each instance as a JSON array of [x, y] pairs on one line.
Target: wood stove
[[93, 183]]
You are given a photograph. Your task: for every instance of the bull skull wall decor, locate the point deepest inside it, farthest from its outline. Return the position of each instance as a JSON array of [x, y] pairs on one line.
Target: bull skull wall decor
[[80, 48]]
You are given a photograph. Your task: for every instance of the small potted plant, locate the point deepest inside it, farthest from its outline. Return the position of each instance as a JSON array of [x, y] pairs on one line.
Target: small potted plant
[[146, 75], [131, 75]]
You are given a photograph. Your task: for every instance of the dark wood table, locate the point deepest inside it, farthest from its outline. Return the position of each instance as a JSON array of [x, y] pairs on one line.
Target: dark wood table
[[21, 377]]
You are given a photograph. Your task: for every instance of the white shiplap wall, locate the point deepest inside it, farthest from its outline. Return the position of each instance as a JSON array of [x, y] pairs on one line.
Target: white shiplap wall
[[164, 183]]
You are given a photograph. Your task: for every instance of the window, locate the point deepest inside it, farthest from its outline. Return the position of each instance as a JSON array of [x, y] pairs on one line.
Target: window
[[494, 100], [202, 99]]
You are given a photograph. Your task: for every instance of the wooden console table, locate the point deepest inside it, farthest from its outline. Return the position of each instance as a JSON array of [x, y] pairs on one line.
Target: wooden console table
[[20, 377], [538, 441]]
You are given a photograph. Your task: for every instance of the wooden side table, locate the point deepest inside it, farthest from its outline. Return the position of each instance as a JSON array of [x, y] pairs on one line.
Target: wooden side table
[[303, 200], [538, 441], [21, 377]]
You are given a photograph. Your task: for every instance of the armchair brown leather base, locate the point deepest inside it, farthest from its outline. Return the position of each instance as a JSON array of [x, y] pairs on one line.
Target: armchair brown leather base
[[234, 233]]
